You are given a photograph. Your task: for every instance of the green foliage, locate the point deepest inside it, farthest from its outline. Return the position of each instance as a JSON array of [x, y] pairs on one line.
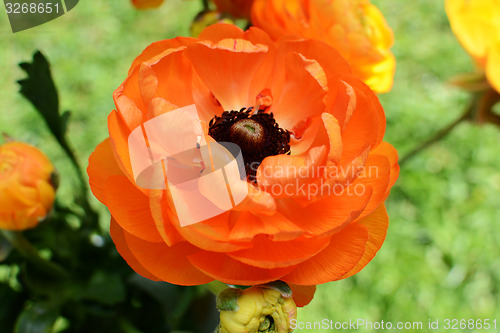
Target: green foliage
[[40, 90], [38, 318]]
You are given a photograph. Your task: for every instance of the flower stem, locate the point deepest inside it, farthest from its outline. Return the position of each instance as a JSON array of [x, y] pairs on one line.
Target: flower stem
[[216, 287], [24, 247], [91, 215], [466, 115]]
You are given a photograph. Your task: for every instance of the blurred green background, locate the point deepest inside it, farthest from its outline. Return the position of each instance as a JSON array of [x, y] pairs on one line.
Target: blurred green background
[[441, 258]]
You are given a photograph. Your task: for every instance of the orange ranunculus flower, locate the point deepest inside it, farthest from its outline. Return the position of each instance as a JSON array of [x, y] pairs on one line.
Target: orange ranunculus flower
[[145, 4], [477, 26], [236, 8], [309, 217], [27, 191], [356, 28]]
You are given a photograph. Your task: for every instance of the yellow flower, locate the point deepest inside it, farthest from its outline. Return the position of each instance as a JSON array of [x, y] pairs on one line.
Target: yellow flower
[[264, 308], [27, 191], [476, 24]]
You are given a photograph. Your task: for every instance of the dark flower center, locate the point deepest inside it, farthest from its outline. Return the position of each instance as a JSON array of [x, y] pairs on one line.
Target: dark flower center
[[257, 134]]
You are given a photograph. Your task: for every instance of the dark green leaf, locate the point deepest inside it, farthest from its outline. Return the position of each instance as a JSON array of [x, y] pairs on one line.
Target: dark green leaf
[[10, 306], [40, 90], [5, 248], [106, 288], [38, 318], [65, 120]]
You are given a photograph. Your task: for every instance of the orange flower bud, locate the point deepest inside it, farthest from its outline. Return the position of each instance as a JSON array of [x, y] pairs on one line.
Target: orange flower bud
[[27, 191], [145, 4]]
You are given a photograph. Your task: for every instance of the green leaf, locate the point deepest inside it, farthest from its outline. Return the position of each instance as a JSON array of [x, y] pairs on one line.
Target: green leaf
[[5, 248], [38, 318], [65, 121], [106, 288], [10, 306], [40, 90]]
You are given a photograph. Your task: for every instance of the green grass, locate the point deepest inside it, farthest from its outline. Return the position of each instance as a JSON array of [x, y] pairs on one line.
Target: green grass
[[441, 256]]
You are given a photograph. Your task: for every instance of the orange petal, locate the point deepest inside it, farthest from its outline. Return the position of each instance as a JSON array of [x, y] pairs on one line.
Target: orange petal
[[287, 175], [225, 269], [118, 237], [306, 134], [332, 63], [169, 264], [218, 32], [387, 150], [158, 47], [376, 224], [266, 253], [302, 295], [173, 76], [344, 252], [130, 208], [118, 134], [299, 93], [334, 135], [329, 214], [129, 100], [278, 227], [102, 165], [377, 176], [164, 225], [206, 104], [367, 124], [233, 63], [257, 201], [211, 234]]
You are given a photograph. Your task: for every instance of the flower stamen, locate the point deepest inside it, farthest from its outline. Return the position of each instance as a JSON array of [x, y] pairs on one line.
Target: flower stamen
[[256, 133]]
